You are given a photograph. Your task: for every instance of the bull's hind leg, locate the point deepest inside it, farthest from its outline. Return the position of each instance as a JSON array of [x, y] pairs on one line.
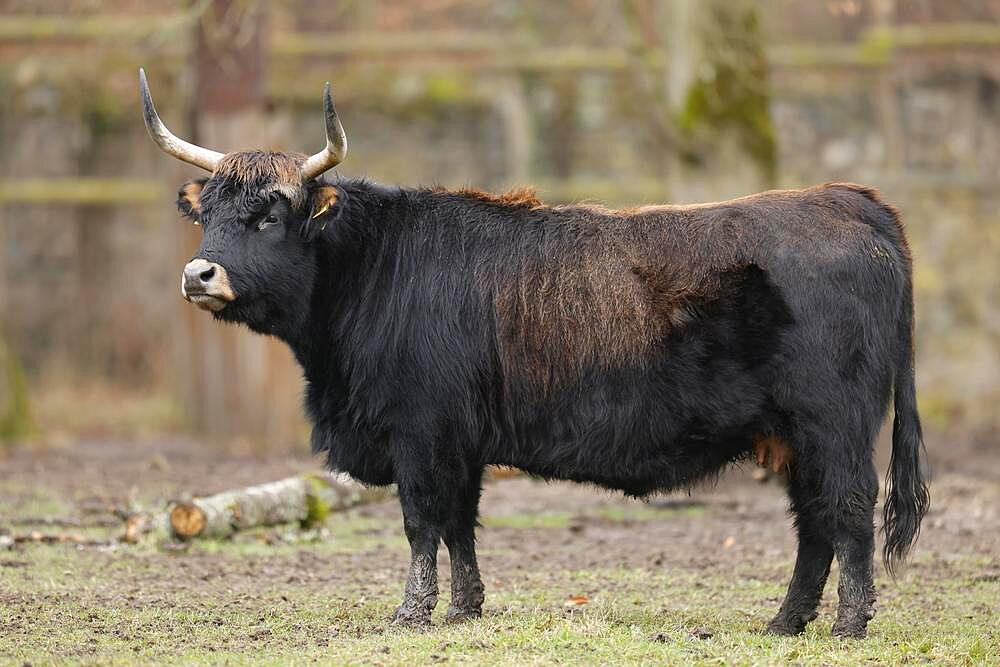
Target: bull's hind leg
[[834, 511], [812, 566], [854, 544], [467, 592]]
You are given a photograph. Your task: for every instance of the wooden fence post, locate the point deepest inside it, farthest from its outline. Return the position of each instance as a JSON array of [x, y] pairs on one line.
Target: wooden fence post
[[238, 385]]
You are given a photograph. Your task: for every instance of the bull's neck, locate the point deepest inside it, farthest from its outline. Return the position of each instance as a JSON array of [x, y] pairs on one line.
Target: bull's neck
[[346, 253]]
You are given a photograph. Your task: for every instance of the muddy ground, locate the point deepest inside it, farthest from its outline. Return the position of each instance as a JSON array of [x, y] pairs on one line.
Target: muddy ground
[[573, 574]]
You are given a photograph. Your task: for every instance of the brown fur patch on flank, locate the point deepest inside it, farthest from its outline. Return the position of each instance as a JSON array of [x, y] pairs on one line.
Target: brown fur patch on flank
[[558, 316], [585, 287]]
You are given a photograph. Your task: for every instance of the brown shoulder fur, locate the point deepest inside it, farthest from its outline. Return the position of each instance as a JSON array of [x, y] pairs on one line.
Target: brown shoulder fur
[[524, 197]]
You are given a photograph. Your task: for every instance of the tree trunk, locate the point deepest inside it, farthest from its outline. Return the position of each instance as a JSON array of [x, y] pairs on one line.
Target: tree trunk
[[305, 499]]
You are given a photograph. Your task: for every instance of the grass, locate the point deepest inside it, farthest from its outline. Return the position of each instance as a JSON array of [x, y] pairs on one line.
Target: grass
[[527, 624], [234, 603], [324, 596], [636, 513]]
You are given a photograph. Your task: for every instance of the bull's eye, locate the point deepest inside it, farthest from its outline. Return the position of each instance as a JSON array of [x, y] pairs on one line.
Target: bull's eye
[[267, 222]]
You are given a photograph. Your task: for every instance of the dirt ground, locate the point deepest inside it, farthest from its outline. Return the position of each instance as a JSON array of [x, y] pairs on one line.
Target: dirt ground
[[611, 575]]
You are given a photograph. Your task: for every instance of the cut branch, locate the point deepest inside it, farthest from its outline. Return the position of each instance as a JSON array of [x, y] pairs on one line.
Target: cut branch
[[305, 499]]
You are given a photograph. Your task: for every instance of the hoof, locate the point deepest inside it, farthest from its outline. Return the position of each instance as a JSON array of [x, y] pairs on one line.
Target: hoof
[[783, 628], [460, 615], [412, 618], [789, 625], [852, 622], [849, 630]]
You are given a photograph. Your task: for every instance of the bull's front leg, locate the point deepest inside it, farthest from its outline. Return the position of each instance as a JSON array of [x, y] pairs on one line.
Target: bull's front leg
[[467, 591], [423, 498], [421, 593]]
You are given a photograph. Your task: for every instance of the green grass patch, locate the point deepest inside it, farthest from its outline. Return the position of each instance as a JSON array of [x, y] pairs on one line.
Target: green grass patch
[[233, 604], [284, 597], [615, 513]]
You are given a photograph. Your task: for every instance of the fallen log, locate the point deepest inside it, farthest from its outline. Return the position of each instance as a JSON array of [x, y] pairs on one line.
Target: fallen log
[[304, 499]]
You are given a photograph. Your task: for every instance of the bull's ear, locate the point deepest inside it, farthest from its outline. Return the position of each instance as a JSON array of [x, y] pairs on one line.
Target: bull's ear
[[189, 199], [322, 210]]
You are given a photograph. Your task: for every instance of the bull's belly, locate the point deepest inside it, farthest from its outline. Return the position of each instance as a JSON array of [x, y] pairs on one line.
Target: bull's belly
[[642, 434], [636, 466]]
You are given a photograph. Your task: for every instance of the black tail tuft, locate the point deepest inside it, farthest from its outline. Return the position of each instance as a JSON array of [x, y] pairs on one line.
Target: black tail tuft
[[907, 497]]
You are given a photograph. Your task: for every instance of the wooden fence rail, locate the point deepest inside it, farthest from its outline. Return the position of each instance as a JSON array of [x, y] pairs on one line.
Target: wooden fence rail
[[489, 49], [82, 191]]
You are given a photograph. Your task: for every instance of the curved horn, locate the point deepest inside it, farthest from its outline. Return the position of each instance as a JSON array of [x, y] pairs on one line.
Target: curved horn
[[336, 142], [164, 138]]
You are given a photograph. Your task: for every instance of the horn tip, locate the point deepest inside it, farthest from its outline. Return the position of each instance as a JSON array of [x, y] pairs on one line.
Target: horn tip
[[143, 87]]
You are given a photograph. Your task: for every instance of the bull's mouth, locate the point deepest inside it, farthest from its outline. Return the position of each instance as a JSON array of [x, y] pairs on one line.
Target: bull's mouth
[[207, 301]]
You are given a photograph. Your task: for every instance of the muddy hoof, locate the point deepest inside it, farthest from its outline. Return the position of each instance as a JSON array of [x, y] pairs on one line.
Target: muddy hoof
[[852, 622], [783, 628], [460, 615], [789, 625], [849, 630], [412, 618]]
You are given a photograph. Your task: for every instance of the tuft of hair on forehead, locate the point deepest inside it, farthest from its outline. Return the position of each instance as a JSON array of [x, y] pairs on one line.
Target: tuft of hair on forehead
[[254, 167], [266, 172]]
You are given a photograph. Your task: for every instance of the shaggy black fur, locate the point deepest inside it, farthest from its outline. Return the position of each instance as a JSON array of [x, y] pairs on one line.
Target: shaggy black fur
[[640, 350]]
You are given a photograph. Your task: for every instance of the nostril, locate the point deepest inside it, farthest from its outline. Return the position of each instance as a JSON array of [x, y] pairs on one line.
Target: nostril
[[207, 274]]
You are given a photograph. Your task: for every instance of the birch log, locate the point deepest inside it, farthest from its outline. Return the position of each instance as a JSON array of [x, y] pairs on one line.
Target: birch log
[[305, 499]]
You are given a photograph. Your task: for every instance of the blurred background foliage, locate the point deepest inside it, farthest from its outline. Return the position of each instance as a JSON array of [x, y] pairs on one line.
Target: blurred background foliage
[[626, 102]]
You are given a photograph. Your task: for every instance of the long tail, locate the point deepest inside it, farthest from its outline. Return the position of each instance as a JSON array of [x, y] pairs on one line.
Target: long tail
[[906, 489], [907, 497]]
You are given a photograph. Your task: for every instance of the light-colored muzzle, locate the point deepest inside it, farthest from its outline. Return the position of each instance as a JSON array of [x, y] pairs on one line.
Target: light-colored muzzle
[[206, 285]]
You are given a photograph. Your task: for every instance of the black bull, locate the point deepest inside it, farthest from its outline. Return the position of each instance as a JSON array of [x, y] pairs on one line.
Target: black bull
[[642, 350]]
